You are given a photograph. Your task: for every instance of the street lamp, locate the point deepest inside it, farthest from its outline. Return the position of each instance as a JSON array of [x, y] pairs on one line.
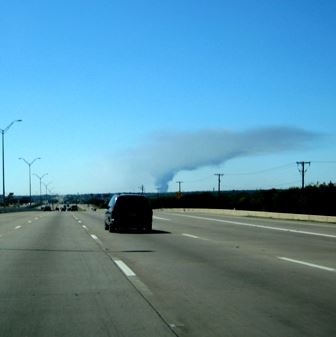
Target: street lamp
[[40, 178], [29, 164], [46, 189], [3, 131]]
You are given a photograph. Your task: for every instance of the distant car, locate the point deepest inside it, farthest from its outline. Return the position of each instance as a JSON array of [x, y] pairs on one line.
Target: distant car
[[128, 211], [47, 208], [73, 208]]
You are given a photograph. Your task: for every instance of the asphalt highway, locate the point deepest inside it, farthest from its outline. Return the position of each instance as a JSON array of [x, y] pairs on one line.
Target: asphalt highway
[[195, 274]]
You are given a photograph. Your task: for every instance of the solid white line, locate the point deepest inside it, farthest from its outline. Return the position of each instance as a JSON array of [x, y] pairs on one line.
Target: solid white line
[[260, 226], [190, 236], [306, 264], [124, 268], [94, 236]]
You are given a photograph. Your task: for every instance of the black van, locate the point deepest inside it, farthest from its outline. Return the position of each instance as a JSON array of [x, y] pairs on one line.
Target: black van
[[128, 211]]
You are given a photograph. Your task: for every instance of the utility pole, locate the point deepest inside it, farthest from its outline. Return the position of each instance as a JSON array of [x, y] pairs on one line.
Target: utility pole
[[142, 188], [179, 194], [302, 169], [179, 183], [219, 175]]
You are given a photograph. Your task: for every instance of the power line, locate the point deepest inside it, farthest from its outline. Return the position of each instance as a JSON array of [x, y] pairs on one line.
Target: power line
[[261, 171], [302, 169], [323, 162]]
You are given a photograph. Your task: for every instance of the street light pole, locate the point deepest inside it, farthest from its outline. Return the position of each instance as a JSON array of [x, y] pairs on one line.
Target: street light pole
[[46, 188], [40, 178], [29, 165], [3, 131]]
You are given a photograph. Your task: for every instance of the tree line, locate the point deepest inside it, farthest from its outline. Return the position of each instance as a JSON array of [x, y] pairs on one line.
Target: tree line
[[318, 199]]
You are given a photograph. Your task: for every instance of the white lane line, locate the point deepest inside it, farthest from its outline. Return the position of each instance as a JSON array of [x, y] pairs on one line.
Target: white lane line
[[95, 237], [195, 237], [159, 218], [173, 325], [190, 236], [79, 221], [18, 227], [260, 226], [29, 221], [306, 264], [83, 226], [124, 268]]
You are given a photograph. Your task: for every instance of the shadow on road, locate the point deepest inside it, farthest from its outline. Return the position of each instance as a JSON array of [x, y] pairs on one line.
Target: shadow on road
[[153, 231]]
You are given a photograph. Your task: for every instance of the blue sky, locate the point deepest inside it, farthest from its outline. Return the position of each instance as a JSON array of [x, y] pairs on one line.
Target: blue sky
[[102, 86]]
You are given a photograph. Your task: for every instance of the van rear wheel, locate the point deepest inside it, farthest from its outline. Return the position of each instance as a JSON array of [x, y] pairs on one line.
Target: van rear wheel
[[148, 228]]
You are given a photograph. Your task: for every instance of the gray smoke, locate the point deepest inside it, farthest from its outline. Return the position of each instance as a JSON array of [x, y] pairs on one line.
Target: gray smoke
[[167, 153]]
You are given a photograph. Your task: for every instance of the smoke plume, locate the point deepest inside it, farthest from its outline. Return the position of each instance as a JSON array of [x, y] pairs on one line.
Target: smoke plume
[[166, 153]]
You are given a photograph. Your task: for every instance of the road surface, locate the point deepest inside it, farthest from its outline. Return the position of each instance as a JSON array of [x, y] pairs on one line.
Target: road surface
[[194, 275]]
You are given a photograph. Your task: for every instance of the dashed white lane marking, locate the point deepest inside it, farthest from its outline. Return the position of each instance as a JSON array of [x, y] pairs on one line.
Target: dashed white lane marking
[[124, 268], [18, 227], [260, 226], [29, 221], [195, 237], [95, 237], [191, 236], [76, 218], [306, 264], [173, 325], [159, 218]]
